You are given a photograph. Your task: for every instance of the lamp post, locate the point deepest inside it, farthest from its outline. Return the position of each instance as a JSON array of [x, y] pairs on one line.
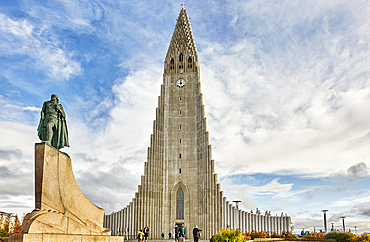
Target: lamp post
[[344, 227], [324, 211], [237, 213]]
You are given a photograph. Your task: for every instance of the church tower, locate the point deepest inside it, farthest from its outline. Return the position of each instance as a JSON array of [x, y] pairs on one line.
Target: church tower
[[179, 185]]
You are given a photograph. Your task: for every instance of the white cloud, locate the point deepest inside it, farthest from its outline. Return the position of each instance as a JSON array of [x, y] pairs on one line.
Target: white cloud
[[41, 45], [290, 108], [32, 109], [246, 191], [352, 200]]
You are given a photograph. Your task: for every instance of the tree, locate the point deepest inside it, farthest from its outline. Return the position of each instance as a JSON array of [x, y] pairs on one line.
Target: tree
[[16, 225]]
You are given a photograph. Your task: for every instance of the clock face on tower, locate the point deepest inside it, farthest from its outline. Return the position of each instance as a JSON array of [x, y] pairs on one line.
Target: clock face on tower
[[180, 83]]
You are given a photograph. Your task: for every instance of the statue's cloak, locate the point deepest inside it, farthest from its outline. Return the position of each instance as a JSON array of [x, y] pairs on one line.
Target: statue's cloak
[[60, 137]]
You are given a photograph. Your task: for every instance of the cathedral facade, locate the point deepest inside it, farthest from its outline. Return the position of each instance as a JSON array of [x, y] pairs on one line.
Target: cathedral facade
[[179, 185]]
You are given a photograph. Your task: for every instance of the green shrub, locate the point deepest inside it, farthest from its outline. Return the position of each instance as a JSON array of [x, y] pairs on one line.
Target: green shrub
[[228, 235], [341, 237], [4, 233]]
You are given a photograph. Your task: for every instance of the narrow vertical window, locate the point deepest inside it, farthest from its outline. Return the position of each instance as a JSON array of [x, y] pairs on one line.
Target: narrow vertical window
[[180, 98], [181, 61], [180, 170], [180, 203], [180, 127], [180, 113], [172, 64], [180, 141], [179, 156], [190, 63]]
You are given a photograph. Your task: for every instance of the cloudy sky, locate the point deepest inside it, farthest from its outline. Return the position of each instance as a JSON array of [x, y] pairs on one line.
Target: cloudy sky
[[286, 89]]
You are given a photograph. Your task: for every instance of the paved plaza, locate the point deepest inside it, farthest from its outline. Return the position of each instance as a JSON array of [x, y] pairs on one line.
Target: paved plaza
[[166, 240]]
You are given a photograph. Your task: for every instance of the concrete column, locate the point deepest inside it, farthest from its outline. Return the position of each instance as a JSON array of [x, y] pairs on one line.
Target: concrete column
[[255, 222], [248, 222], [122, 222], [243, 221], [108, 225], [262, 222], [281, 224], [232, 217], [131, 220], [118, 221], [115, 223], [224, 212], [111, 223], [251, 222]]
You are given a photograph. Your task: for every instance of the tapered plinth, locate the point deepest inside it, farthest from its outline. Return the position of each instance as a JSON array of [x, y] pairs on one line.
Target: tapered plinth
[[60, 206]]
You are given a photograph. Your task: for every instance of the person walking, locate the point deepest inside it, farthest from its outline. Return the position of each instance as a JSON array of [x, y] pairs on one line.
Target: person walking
[[196, 233], [162, 235], [169, 235], [140, 236], [176, 233], [182, 232], [146, 232]]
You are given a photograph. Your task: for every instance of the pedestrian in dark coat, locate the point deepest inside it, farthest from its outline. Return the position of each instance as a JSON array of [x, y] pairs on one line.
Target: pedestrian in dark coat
[[196, 233], [176, 233]]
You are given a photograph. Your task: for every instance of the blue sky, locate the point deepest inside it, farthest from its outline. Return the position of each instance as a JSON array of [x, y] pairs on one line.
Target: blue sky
[[286, 89]]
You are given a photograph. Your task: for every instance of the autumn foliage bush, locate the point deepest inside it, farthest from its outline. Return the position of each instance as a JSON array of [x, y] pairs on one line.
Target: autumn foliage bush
[[365, 237], [313, 236], [261, 234], [232, 235], [275, 235]]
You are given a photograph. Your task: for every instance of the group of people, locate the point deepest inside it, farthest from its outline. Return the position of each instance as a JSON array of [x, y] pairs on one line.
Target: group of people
[[143, 234], [179, 233]]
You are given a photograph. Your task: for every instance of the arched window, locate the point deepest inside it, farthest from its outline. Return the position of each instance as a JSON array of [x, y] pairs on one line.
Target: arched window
[[190, 63], [181, 61], [172, 64], [180, 204]]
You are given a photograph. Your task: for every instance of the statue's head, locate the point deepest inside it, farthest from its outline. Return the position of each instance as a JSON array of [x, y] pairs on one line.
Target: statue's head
[[54, 97]]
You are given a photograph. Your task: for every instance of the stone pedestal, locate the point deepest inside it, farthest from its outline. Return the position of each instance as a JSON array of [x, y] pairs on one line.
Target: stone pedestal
[[63, 238], [62, 212]]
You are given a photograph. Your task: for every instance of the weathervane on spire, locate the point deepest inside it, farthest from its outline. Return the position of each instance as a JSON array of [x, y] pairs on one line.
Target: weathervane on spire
[[183, 4]]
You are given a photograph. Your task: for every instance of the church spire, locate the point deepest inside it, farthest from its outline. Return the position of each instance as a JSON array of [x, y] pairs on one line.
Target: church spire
[[182, 42]]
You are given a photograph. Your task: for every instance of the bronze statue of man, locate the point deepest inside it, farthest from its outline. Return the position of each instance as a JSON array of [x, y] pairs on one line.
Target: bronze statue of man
[[53, 126]]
